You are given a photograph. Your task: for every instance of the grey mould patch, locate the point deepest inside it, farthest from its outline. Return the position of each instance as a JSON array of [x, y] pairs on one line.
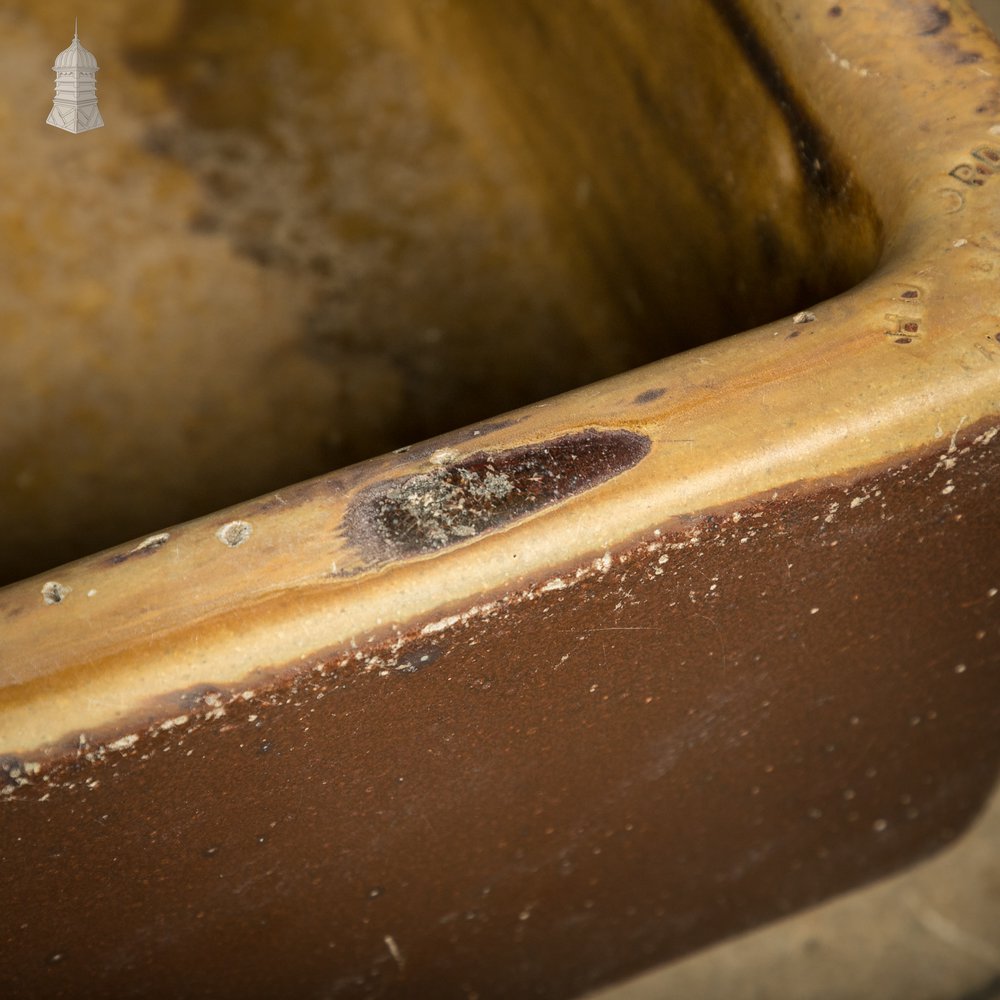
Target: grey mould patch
[[458, 500], [54, 593], [234, 533]]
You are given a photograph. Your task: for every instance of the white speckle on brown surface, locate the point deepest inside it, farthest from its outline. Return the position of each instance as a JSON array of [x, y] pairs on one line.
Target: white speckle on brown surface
[[390, 943], [124, 743]]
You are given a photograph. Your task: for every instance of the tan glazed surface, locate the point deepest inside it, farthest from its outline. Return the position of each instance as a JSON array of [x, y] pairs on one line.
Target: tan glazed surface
[[563, 630]]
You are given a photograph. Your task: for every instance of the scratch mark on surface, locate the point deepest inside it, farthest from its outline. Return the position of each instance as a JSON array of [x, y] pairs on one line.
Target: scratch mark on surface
[[390, 943], [845, 63], [718, 632], [937, 924], [623, 628], [954, 434]]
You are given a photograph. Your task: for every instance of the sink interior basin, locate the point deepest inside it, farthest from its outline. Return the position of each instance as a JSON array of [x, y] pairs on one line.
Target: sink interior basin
[[311, 233]]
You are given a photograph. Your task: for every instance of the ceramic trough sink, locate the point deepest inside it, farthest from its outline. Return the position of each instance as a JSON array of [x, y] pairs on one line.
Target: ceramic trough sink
[[700, 630]]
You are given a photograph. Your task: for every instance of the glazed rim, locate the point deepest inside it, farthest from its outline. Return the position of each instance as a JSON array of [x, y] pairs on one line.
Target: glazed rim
[[899, 364]]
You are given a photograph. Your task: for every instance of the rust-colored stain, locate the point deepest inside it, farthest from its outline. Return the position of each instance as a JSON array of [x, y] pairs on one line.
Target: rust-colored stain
[[456, 501]]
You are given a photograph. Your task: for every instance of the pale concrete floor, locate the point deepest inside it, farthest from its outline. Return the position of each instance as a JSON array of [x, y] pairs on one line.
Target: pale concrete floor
[[932, 933]]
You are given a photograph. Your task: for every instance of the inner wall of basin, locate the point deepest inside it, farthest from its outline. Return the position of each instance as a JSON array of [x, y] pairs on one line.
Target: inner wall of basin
[[313, 232]]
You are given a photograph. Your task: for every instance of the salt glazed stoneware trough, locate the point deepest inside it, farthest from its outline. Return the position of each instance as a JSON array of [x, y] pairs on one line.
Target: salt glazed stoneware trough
[[532, 705]]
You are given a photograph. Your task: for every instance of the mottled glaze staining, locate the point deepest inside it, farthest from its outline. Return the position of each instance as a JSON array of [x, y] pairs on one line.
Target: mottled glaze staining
[[459, 499]]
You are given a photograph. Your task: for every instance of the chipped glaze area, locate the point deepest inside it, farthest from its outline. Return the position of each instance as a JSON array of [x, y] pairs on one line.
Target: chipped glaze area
[[458, 500]]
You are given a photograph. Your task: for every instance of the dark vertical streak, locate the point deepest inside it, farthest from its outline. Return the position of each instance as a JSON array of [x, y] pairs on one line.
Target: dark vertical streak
[[811, 145]]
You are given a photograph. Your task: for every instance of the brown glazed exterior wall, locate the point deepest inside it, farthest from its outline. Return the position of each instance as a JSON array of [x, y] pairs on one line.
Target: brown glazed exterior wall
[[705, 729]]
